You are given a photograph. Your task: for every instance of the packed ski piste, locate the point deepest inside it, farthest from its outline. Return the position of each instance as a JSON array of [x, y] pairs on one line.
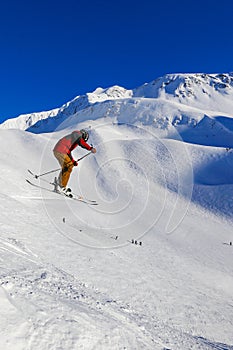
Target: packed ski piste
[[138, 254]]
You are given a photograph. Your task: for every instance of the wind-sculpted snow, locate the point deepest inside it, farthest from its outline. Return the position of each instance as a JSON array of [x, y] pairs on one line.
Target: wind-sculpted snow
[[208, 93], [48, 121], [25, 121], [216, 132], [204, 91], [149, 267], [162, 295]]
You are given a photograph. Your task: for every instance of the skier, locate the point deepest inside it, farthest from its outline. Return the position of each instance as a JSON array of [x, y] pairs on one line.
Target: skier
[[62, 152]]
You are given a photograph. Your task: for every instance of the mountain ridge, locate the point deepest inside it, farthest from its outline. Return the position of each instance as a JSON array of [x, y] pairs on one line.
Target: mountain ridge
[[72, 275], [207, 92]]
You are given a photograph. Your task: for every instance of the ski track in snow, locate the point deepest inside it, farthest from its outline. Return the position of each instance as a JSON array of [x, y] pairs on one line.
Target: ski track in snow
[[66, 282], [48, 299]]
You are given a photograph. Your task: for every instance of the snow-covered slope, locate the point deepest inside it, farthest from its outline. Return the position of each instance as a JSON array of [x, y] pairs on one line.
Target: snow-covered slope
[[39, 121], [70, 276], [202, 92], [25, 121]]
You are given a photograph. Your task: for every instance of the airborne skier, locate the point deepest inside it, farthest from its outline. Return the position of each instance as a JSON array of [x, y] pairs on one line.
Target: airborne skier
[[62, 152]]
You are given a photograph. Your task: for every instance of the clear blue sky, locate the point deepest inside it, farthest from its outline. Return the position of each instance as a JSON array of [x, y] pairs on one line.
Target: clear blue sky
[[52, 51]]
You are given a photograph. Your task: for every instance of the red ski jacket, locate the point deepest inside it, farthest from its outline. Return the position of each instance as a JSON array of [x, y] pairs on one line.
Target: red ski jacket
[[69, 142]]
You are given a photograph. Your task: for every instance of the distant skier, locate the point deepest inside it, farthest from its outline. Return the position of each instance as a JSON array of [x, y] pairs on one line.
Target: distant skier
[[62, 152]]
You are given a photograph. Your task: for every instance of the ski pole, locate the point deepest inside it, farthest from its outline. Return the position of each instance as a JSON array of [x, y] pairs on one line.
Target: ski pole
[[49, 172], [53, 171], [83, 156]]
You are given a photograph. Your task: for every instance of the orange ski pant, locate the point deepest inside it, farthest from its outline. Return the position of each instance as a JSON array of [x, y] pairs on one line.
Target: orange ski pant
[[66, 168]]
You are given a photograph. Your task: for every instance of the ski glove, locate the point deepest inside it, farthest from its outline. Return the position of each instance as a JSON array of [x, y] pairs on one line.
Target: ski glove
[[75, 163]]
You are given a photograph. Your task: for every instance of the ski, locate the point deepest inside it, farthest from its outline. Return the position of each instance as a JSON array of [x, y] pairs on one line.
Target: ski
[[77, 196], [80, 199]]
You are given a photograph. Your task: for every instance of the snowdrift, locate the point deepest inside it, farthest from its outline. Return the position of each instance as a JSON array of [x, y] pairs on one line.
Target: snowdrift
[[72, 275]]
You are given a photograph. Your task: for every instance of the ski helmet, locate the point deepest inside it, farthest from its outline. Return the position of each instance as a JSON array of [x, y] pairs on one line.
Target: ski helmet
[[85, 134]]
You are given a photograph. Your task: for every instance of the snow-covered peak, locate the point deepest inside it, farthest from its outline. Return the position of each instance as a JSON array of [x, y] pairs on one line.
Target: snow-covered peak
[[210, 91], [206, 93], [25, 121], [79, 103], [114, 92], [185, 85], [174, 198]]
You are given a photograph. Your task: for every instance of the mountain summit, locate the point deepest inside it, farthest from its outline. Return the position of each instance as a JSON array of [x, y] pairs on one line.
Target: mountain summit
[[204, 93], [149, 266]]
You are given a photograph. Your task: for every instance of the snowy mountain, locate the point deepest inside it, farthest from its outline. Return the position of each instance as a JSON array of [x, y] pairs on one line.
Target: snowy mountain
[[24, 122], [202, 92], [71, 275]]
